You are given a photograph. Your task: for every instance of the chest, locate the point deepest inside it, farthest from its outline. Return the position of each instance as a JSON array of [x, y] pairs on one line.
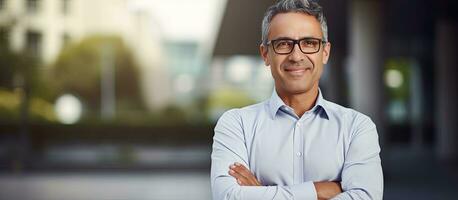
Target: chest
[[286, 152]]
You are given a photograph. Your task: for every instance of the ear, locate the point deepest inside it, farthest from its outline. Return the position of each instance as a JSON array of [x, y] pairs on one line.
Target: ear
[[326, 52], [263, 50]]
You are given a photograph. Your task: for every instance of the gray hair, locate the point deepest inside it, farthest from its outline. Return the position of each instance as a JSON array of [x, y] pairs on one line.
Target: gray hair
[[308, 7]]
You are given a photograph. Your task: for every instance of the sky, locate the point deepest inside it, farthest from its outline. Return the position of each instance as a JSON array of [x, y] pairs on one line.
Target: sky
[[185, 20]]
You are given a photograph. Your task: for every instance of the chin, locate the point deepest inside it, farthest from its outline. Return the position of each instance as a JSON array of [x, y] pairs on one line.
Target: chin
[[296, 90], [293, 87], [299, 91]]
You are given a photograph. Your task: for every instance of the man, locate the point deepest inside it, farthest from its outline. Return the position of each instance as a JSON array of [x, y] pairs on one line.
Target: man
[[295, 145]]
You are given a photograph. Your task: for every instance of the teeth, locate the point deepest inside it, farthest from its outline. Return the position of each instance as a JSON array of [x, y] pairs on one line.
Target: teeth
[[295, 70]]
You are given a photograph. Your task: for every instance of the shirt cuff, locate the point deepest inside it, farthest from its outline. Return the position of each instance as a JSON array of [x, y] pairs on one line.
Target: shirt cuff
[[304, 191]]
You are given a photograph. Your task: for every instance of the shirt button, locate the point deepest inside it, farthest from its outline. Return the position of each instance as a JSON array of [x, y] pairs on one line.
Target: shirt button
[[298, 154]]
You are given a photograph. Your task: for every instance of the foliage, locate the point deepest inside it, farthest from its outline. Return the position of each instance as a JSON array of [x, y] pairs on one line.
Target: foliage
[[10, 102], [21, 87], [224, 99], [77, 70], [18, 69]]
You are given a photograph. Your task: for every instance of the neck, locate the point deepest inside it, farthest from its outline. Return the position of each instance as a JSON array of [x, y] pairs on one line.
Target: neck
[[301, 102]]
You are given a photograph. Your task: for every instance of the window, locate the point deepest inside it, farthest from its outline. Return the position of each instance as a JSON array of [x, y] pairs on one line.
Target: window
[[65, 7], [33, 43], [32, 6]]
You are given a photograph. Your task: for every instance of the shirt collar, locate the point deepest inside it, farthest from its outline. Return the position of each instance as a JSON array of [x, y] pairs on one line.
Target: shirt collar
[[275, 103]]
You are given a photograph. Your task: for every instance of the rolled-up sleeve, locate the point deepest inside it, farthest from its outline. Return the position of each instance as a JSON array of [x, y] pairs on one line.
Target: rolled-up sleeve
[[229, 147], [362, 176]]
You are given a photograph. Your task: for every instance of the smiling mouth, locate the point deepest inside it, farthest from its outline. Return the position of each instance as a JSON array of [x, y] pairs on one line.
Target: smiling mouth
[[297, 71]]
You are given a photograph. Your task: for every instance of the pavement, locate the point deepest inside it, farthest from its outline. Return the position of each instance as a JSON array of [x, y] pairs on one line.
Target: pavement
[[409, 174]]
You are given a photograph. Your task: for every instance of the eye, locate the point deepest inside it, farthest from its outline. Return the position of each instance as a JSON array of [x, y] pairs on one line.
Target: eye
[[309, 43], [283, 44]]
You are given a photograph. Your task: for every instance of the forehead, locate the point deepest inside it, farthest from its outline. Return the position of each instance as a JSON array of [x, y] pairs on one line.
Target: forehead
[[294, 25]]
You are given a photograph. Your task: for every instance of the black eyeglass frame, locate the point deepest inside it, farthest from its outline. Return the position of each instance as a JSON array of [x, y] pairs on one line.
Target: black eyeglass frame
[[320, 43]]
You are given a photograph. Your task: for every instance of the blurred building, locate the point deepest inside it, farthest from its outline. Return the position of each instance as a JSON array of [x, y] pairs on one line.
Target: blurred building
[[189, 30], [44, 27]]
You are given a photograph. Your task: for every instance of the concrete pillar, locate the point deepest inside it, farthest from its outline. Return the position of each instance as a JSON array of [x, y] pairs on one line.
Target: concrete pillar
[[365, 67], [446, 90], [336, 82]]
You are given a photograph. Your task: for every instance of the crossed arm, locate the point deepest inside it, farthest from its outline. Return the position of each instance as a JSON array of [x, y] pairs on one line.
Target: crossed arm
[[324, 190], [361, 174]]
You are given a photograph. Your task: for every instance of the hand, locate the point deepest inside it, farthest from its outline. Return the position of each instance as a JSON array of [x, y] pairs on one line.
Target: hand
[[243, 176], [327, 190]]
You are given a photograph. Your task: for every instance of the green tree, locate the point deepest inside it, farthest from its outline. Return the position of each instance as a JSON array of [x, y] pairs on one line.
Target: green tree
[[22, 92], [77, 70]]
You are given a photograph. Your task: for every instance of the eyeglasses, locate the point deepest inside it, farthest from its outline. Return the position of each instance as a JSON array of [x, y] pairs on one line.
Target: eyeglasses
[[306, 45]]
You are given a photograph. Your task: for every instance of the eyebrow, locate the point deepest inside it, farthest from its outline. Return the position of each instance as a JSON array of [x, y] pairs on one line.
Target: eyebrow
[[288, 38]]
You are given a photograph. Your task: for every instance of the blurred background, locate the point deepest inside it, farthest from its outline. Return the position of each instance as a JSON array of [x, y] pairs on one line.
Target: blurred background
[[117, 99]]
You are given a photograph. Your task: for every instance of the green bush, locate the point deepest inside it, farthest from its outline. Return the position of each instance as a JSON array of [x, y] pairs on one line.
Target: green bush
[[77, 70]]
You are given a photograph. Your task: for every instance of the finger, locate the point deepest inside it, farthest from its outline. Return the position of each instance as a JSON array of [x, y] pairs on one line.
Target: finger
[[241, 180], [244, 175], [239, 168], [248, 174], [242, 170], [234, 174]]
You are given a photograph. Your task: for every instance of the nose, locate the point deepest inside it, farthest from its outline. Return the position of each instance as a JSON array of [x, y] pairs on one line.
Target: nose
[[296, 55]]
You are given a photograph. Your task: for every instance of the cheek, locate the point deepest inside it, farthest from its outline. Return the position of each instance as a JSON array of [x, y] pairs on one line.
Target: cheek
[[317, 67], [317, 62], [277, 61], [317, 72]]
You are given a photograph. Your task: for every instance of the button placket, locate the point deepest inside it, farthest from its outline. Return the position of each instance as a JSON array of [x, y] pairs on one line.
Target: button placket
[[297, 154]]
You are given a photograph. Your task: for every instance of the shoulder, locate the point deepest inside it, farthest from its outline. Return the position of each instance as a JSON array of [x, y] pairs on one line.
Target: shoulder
[[353, 118], [244, 112], [236, 116]]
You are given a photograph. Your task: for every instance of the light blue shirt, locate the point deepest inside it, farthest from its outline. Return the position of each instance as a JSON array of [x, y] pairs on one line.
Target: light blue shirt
[[287, 153]]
